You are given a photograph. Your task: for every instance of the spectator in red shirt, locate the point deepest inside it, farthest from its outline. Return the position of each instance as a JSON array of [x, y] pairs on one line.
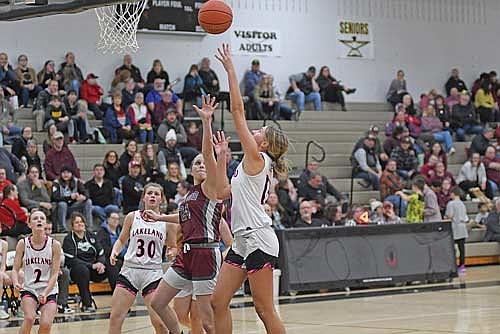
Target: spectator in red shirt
[[3, 180], [491, 162], [57, 157], [13, 218], [92, 92], [497, 135]]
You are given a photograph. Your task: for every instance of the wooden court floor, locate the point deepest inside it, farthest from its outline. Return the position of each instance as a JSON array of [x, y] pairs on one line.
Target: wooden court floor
[[471, 305]]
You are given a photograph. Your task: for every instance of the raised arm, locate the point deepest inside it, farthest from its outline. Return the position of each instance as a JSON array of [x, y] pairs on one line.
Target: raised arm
[[223, 187], [122, 239], [208, 107], [253, 158]]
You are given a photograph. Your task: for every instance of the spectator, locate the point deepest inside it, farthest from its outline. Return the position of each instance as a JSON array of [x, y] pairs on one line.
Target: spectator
[[107, 235], [85, 259], [406, 159], [497, 135], [194, 137], [70, 195], [117, 121], [493, 224], [48, 142], [3, 180], [101, 194], [436, 154], [480, 142], [278, 213], [316, 189], [440, 173], [26, 76], [172, 179], [484, 103], [126, 157], [128, 93], [390, 184], [70, 74], [112, 168], [141, 119], [43, 100], [305, 218], [443, 193], [231, 164], [120, 81], [92, 92], [304, 88], [376, 211], [366, 165], [168, 101], [83, 132], [193, 86], [287, 196], [433, 125], [150, 164], [172, 123], [11, 164], [9, 130], [478, 82], [393, 140], [266, 103], [135, 72], [410, 110], [491, 163], [359, 216], [56, 114], [57, 157], [32, 158], [331, 90], [19, 144], [374, 131], [8, 78], [33, 193], [63, 281], [182, 191], [443, 112], [416, 202], [457, 212], [250, 80], [455, 82], [209, 78], [463, 118], [482, 215], [157, 71], [47, 74], [453, 98], [388, 215], [333, 214], [427, 99], [14, 219], [402, 120], [472, 174], [327, 187], [397, 89], [132, 186]]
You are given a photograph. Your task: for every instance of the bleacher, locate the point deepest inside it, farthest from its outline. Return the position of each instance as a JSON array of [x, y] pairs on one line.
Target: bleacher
[[334, 130]]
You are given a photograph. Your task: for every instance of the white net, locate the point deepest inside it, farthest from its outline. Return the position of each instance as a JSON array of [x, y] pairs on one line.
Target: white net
[[118, 26]]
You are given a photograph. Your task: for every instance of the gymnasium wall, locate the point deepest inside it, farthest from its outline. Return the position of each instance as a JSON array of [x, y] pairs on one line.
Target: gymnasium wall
[[424, 37]]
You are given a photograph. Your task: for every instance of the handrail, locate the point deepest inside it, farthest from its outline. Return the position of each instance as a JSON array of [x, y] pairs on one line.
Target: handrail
[[274, 121], [321, 148]]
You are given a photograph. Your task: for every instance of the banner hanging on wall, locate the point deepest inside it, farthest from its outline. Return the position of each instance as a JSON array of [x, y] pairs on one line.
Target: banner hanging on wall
[[355, 40], [262, 42]]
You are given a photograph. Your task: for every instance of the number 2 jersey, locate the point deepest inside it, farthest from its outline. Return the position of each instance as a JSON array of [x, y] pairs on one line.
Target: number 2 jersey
[[38, 266], [249, 194], [146, 243]]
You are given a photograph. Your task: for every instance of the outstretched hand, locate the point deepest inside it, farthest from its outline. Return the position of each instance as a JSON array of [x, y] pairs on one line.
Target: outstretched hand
[[220, 143], [208, 107], [224, 56]]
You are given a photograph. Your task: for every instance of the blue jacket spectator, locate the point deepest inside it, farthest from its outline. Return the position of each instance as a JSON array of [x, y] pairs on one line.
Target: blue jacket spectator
[[117, 121], [193, 86], [252, 78]]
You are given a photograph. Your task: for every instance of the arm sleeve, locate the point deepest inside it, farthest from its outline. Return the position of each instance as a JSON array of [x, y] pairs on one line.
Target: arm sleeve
[[360, 157]]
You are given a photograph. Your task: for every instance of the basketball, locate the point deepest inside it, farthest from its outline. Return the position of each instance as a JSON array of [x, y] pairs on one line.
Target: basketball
[[215, 16]]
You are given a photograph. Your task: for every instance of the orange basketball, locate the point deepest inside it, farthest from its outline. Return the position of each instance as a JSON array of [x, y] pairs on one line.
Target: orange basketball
[[215, 16]]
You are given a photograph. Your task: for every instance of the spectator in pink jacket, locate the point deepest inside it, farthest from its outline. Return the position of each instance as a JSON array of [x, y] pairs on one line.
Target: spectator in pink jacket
[[432, 124]]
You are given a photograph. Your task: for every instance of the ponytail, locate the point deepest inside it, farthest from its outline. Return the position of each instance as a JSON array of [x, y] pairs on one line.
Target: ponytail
[[278, 146], [281, 167]]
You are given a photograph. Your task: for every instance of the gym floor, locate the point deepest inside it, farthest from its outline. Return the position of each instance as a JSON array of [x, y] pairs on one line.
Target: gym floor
[[470, 305]]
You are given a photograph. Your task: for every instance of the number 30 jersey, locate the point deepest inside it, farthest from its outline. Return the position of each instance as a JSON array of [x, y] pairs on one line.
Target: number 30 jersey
[[146, 243], [38, 266], [249, 194]]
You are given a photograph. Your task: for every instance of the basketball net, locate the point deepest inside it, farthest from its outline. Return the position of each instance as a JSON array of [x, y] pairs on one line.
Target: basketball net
[[118, 26]]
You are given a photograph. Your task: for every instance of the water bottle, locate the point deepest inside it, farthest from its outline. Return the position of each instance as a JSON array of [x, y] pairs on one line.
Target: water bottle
[[467, 197], [5, 305]]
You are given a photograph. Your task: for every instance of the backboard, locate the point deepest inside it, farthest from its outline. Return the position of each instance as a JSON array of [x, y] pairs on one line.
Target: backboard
[[12, 10]]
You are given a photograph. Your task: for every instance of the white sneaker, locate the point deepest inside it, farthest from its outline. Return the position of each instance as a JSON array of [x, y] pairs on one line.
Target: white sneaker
[[4, 315]]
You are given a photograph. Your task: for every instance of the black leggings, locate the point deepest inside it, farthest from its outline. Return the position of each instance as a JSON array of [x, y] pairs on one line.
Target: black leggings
[[17, 230], [82, 275], [461, 249]]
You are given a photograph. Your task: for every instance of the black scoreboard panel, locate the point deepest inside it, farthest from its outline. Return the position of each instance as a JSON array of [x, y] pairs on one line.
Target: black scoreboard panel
[[171, 16]]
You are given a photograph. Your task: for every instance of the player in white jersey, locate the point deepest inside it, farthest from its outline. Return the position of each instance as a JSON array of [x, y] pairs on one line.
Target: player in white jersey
[[142, 266], [4, 277], [255, 248], [41, 256]]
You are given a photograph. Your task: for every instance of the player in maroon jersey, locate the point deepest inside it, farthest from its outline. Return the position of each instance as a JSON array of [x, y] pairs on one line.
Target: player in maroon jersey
[[198, 263]]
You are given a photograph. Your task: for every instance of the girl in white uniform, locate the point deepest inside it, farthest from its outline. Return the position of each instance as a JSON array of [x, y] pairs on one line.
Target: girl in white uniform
[[255, 248], [142, 266], [41, 255]]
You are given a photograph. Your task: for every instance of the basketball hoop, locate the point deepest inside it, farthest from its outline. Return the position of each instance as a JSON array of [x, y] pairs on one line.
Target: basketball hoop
[[118, 26]]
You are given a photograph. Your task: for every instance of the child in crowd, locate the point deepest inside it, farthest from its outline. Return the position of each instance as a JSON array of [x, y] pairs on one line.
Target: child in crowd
[[482, 215], [457, 212], [416, 204], [56, 114]]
